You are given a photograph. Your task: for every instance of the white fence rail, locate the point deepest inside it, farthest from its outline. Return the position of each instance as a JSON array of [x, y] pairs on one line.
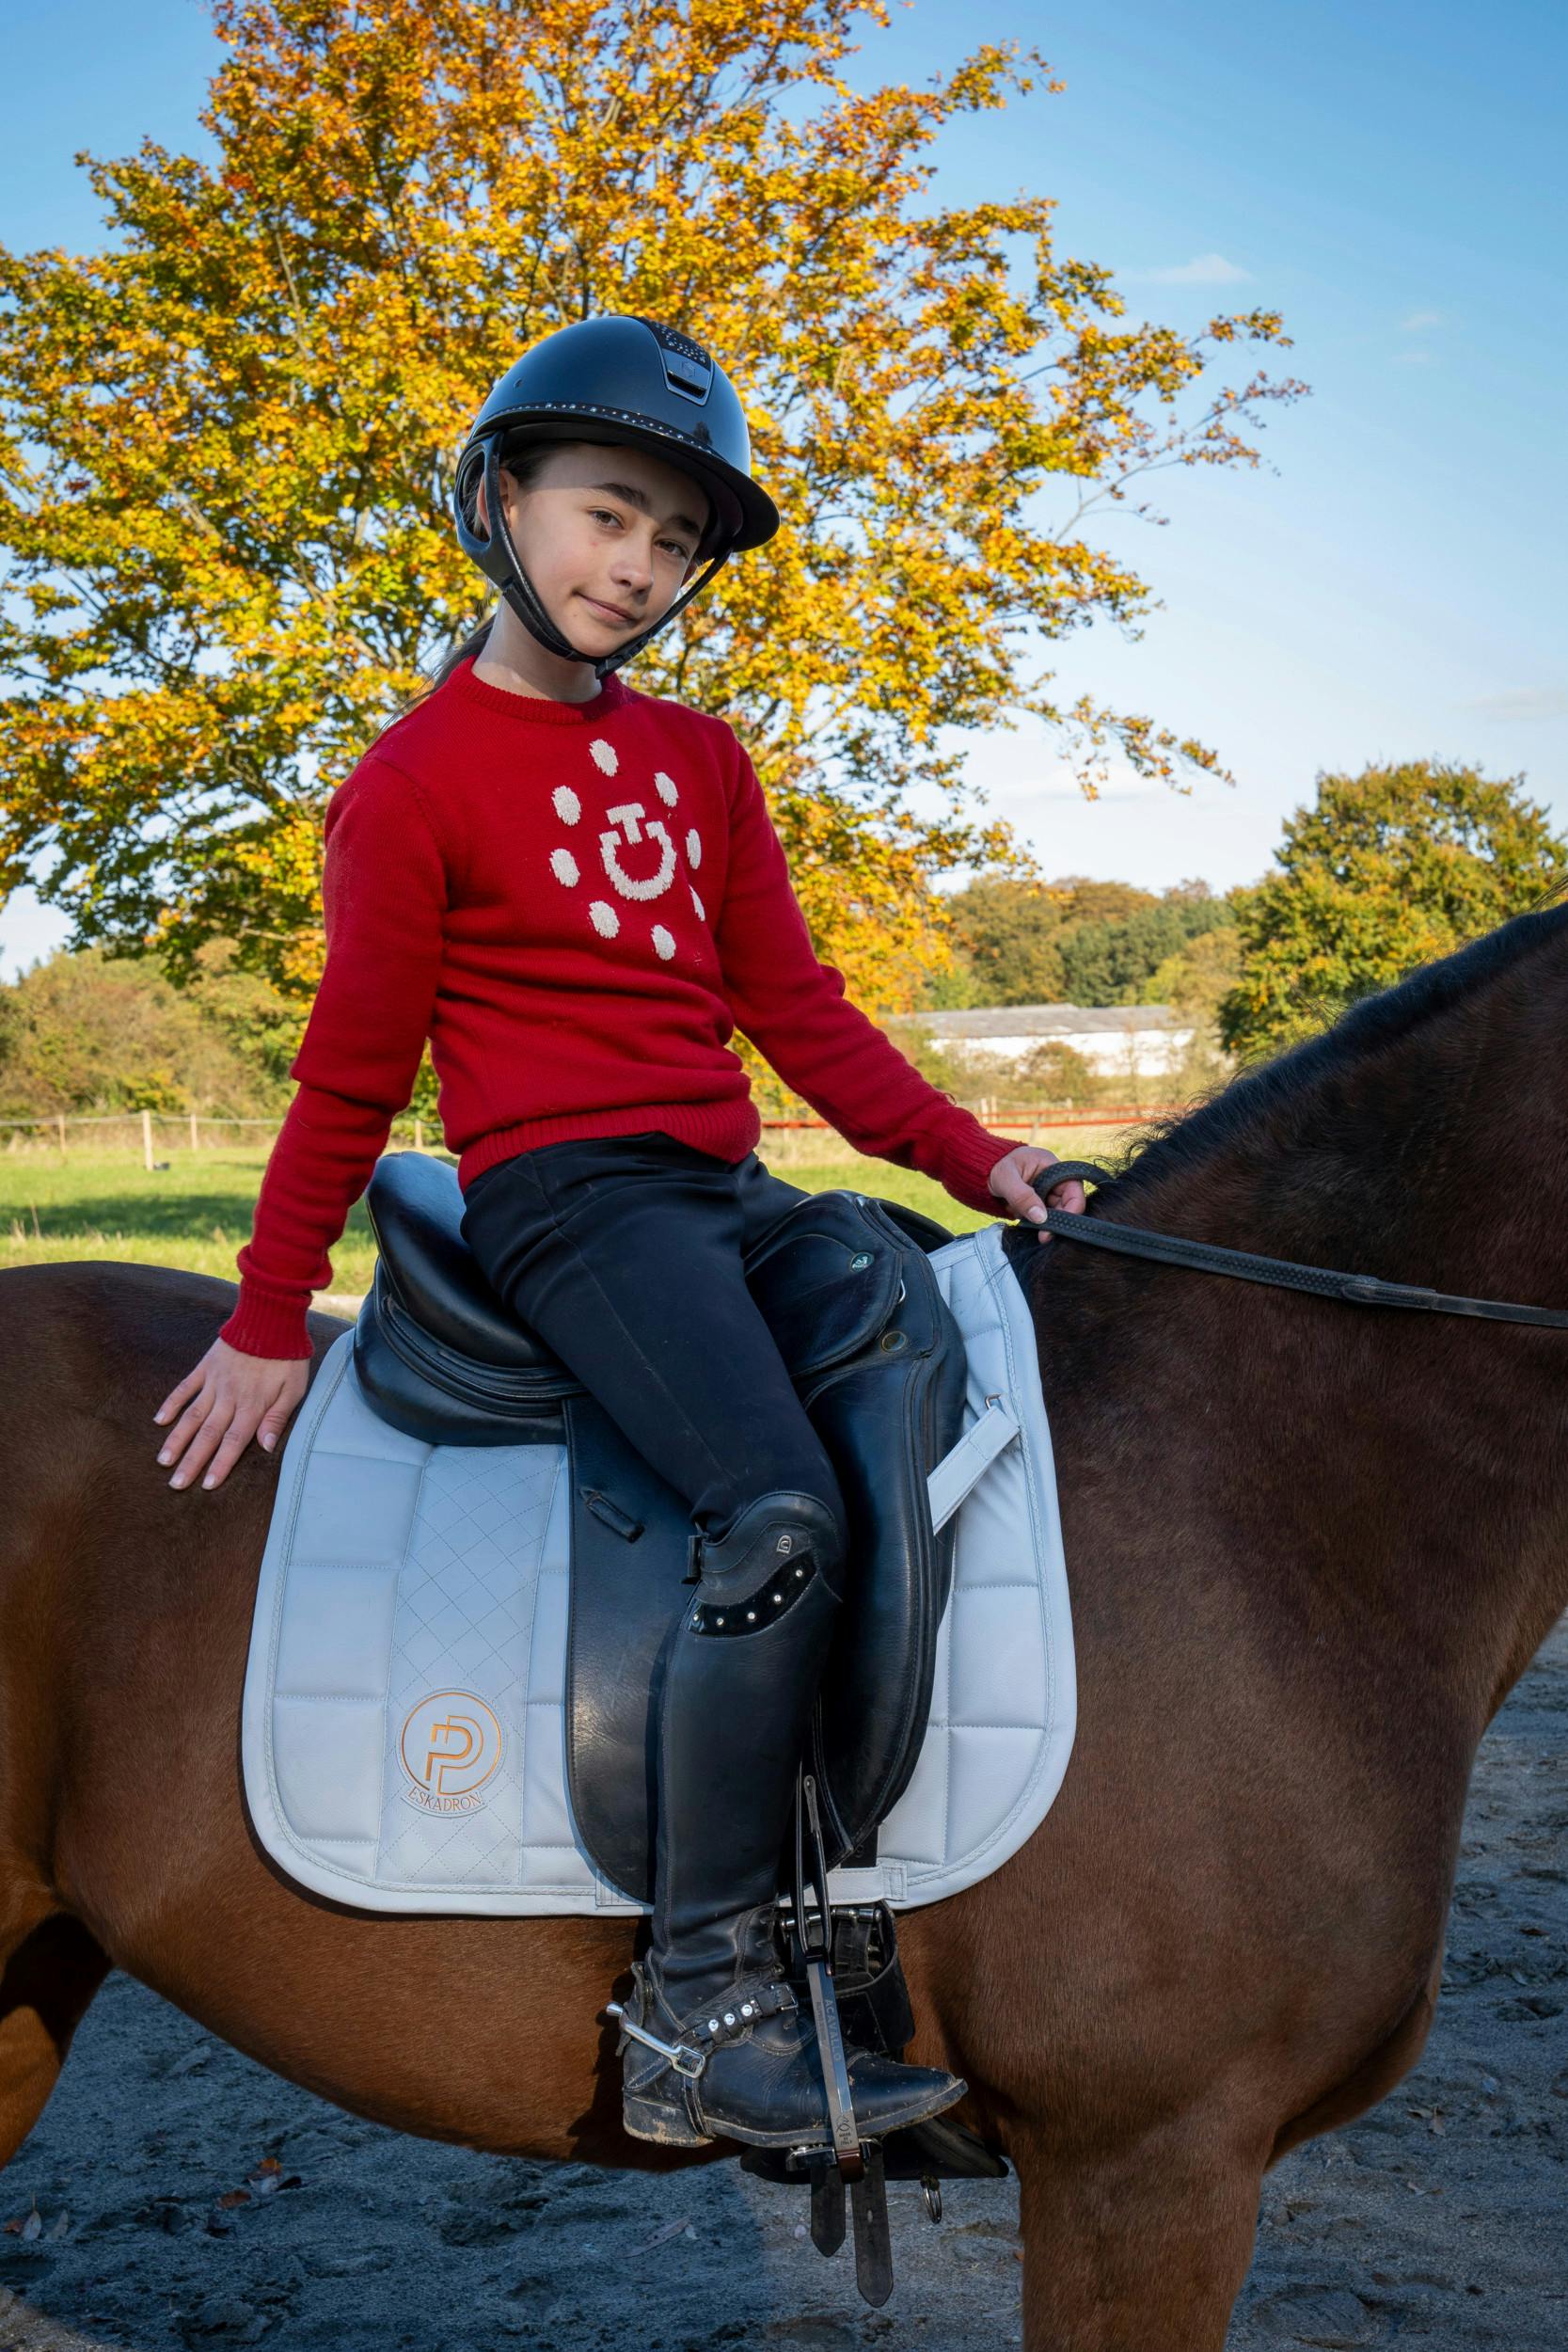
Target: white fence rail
[[193, 1130]]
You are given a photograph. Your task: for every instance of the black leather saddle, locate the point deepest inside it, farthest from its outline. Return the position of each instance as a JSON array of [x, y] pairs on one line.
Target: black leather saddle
[[846, 1286]]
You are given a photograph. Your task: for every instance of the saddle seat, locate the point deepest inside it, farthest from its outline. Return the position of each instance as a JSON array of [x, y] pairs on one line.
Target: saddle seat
[[845, 1284], [437, 1352]]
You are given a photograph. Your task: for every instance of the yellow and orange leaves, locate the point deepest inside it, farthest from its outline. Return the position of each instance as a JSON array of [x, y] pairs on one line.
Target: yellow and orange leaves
[[228, 440]]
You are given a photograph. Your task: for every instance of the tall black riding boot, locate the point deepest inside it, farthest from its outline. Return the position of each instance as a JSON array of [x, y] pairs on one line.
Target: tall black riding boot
[[732, 2056]]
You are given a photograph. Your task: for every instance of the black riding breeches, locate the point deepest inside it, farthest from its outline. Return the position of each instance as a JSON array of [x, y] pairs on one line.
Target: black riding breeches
[[625, 1254]]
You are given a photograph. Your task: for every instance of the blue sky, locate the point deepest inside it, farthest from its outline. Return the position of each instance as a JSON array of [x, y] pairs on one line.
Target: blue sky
[[1390, 178]]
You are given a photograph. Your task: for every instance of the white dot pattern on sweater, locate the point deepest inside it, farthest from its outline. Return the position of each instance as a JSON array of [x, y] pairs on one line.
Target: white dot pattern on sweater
[[664, 942], [604, 756], [567, 806], [564, 865], [604, 918], [694, 847]]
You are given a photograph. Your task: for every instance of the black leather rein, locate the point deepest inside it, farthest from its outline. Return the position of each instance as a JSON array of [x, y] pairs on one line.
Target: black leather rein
[[1358, 1290]]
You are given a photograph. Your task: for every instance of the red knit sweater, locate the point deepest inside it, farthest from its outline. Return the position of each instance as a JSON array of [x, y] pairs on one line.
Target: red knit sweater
[[577, 903]]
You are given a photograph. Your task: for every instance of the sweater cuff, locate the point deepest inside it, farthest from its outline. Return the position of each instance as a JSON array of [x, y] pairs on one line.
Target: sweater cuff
[[967, 1156], [263, 1324]]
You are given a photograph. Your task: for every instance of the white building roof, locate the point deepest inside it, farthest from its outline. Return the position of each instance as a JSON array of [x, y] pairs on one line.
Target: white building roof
[[1043, 1021]]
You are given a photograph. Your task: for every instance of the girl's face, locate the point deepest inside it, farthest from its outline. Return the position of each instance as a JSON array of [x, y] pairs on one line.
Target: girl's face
[[608, 536]]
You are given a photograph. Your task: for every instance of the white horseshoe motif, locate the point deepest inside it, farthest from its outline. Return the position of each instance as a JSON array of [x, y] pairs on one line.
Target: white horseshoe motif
[[630, 817]]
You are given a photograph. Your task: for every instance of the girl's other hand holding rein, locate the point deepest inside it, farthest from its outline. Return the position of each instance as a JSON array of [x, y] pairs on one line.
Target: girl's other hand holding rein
[[1011, 1180], [226, 1401]]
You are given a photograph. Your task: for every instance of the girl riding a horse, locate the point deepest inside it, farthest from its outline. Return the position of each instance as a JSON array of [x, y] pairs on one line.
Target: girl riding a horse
[[576, 892]]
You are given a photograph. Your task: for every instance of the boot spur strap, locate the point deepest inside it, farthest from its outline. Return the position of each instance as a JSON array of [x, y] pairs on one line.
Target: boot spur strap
[[763, 2001], [709, 2033]]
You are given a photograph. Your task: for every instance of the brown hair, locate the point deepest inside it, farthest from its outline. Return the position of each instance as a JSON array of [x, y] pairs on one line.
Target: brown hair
[[524, 463], [454, 659]]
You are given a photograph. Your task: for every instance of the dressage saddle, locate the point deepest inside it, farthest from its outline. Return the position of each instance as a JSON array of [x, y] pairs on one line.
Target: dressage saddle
[[845, 1284]]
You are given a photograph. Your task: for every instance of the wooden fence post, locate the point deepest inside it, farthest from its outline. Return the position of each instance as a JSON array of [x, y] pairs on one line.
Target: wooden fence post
[[60, 1124], [147, 1139], [193, 1130]]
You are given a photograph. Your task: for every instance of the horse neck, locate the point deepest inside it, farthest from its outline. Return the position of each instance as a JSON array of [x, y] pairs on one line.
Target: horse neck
[[1386, 1473]]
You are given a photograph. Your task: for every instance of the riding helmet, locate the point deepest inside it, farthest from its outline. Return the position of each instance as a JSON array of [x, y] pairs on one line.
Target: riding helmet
[[619, 380]]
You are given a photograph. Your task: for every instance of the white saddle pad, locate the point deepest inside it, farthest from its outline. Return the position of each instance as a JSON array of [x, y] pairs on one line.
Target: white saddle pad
[[404, 1732]]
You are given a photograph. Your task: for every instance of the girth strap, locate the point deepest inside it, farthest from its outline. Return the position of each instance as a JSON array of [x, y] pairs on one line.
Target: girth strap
[[1356, 1290]]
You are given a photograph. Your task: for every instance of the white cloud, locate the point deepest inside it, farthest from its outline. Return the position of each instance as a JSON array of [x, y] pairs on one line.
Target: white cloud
[[1208, 269], [1525, 702], [1420, 319], [1019, 804], [1412, 358]]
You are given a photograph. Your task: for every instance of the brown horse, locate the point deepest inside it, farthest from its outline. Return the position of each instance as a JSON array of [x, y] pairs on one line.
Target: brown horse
[[1310, 1547]]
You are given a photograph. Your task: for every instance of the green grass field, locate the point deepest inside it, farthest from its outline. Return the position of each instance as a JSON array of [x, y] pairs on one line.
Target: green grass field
[[85, 1203]]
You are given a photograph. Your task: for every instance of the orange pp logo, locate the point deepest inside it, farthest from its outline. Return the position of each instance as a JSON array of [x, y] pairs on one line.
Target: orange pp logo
[[450, 1745]]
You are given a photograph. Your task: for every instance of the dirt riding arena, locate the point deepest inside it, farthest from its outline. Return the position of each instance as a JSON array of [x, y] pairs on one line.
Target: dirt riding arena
[[1442, 2216]]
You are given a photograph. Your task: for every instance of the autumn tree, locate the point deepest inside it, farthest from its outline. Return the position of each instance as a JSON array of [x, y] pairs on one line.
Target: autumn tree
[[1388, 869], [1197, 978], [1076, 940], [1110, 962], [227, 443], [1008, 933]]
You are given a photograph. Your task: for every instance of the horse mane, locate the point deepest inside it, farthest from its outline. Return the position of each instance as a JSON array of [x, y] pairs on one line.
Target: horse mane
[[1270, 1097]]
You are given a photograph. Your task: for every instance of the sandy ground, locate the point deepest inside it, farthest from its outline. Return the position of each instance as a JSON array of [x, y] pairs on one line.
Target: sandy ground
[[1442, 2216]]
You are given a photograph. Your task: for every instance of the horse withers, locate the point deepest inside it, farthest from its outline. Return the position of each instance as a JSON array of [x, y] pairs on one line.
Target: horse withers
[[1310, 1552]]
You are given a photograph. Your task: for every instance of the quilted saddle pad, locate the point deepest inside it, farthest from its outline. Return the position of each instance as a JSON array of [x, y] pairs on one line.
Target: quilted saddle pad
[[403, 1735]]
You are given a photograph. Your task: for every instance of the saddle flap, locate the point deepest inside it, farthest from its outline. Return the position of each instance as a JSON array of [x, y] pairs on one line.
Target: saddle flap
[[627, 1590], [830, 1292], [827, 1283], [887, 1420]]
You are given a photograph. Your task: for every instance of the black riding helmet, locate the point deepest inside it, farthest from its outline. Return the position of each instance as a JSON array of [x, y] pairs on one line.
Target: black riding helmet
[[616, 380]]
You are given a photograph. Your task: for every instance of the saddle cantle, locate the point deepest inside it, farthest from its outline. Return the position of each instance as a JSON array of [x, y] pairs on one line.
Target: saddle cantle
[[845, 1284]]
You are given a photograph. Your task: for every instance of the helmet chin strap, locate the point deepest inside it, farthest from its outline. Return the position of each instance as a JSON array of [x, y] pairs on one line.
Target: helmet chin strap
[[524, 598]]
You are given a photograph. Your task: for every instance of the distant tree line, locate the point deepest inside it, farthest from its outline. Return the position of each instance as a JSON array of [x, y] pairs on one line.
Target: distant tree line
[[96, 1032], [1388, 869], [1078, 941]]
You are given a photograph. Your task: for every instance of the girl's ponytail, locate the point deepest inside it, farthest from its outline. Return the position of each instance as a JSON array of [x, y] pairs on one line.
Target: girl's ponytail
[[524, 461], [438, 677], [471, 644]]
